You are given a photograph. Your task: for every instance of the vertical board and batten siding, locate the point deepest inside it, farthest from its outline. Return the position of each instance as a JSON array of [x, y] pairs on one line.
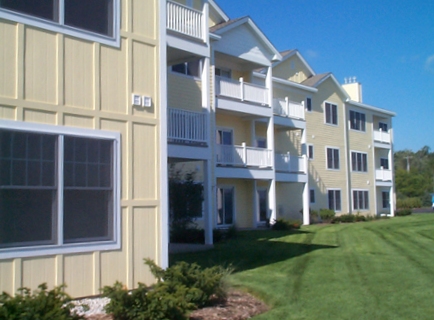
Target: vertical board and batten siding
[[323, 135], [184, 92], [50, 78]]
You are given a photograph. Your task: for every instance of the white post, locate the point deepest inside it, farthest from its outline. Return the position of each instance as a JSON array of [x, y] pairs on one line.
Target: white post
[[208, 195], [306, 214], [287, 106], [391, 201], [272, 200], [244, 153], [205, 19], [289, 161], [242, 88]]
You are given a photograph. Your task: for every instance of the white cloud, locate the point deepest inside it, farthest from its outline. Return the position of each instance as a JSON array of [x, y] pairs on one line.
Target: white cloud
[[429, 64]]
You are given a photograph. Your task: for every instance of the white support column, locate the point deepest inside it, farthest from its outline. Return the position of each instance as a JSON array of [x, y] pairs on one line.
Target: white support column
[[272, 201], [206, 95], [205, 21], [306, 213], [209, 196], [391, 202]]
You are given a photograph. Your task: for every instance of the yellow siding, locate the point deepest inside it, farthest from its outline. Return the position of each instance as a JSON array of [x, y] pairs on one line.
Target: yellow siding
[[41, 66], [7, 112], [38, 270], [39, 116], [143, 18], [78, 121], [240, 127], [6, 276], [289, 200], [8, 60], [79, 273], [79, 73], [292, 69], [184, 92]]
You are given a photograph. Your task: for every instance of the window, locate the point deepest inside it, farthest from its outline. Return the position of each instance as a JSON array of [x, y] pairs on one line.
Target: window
[[382, 126], [332, 158], [309, 104], [225, 206], [65, 183], [224, 148], [360, 200], [261, 142], [310, 151], [312, 196], [359, 161], [334, 200], [225, 73], [384, 163], [331, 113], [96, 20], [357, 121], [385, 196], [191, 68]]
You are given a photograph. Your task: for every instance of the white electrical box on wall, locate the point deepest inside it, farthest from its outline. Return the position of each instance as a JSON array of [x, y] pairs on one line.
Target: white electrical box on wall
[[147, 101], [136, 99]]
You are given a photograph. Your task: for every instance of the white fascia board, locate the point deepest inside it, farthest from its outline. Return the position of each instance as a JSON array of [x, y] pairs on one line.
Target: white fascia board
[[371, 108], [297, 53], [287, 82], [214, 37], [219, 10]]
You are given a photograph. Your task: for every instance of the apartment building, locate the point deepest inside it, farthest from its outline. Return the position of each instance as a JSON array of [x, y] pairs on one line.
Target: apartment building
[[82, 143], [95, 116]]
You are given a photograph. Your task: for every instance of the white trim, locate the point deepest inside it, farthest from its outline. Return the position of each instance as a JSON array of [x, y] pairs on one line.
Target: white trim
[[326, 159], [60, 27], [59, 247], [325, 113]]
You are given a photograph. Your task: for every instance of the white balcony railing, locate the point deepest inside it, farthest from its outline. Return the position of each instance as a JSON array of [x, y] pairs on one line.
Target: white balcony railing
[[185, 20], [187, 126], [287, 108], [294, 164], [241, 90], [382, 136], [383, 174], [243, 156]]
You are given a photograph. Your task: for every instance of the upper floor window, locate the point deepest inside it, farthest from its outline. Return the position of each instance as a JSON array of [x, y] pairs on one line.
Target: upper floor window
[[357, 121], [331, 113], [225, 73], [191, 68], [332, 158], [309, 104], [64, 183], [384, 163], [359, 161], [382, 126], [98, 17]]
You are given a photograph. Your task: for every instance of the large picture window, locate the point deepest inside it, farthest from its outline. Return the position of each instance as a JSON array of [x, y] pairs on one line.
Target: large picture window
[[99, 17], [57, 189]]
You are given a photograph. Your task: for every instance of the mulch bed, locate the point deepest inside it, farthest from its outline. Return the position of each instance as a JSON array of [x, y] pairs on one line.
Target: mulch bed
[[238, 306]]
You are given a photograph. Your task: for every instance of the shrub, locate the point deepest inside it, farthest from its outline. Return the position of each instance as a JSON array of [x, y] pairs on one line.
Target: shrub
[[283, 224], [409, 203], [326, 214], [403, 212], [348, 218], [360, 217], [41, 305], [179, 289]]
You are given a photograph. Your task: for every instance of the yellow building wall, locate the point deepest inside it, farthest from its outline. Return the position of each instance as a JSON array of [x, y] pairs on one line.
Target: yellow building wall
[[55, 79], [323, 135], [184, 92], [292, 69], [241, 128], [289, 200]]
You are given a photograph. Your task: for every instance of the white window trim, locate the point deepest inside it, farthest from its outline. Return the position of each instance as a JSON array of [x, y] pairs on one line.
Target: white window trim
[[339, 154], [226, 186], [351, 161], [352, 199], [334, 189], [60, 248], [68, 30], [337, 114]]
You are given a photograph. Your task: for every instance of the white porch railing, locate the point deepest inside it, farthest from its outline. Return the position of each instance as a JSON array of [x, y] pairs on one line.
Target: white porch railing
[[286, 163], [241, 90], [382, 136], [383, 174], [187, 126], [287, 108], [185, 20], [243, 156]]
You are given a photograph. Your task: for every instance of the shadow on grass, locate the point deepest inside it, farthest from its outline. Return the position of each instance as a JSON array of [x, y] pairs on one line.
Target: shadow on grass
[[253, 249]]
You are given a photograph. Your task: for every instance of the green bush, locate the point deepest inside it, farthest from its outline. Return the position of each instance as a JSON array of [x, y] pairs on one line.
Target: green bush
[[360, 217], [179, 289], [283, 224], [403, 212], [39, 305], [326, 214], [409, 203]]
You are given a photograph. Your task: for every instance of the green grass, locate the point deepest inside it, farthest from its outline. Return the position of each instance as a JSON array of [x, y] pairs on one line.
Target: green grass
[[369, 270]]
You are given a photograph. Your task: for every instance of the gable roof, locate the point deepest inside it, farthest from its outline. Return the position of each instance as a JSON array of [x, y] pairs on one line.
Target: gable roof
[[226, 26], [215, 9], [290, 53], [316, 80]]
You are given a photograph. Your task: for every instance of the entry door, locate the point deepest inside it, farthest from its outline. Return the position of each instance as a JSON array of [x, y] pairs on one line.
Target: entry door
[[225, 206], [263, 204]]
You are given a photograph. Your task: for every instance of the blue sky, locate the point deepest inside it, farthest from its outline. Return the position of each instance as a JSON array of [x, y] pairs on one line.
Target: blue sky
[[388, 45]]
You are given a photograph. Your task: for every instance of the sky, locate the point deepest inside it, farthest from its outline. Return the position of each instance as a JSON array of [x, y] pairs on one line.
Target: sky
[[387, 44]]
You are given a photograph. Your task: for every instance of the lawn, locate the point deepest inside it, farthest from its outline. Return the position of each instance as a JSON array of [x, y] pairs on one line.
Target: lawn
[[369, 270]]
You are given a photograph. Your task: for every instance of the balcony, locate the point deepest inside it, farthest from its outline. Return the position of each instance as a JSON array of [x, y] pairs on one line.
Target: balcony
[[187, 127], [294, 164], [242, 91], [185, 20], [243, 156], [383, 174], [289, 109], [382, 136]]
